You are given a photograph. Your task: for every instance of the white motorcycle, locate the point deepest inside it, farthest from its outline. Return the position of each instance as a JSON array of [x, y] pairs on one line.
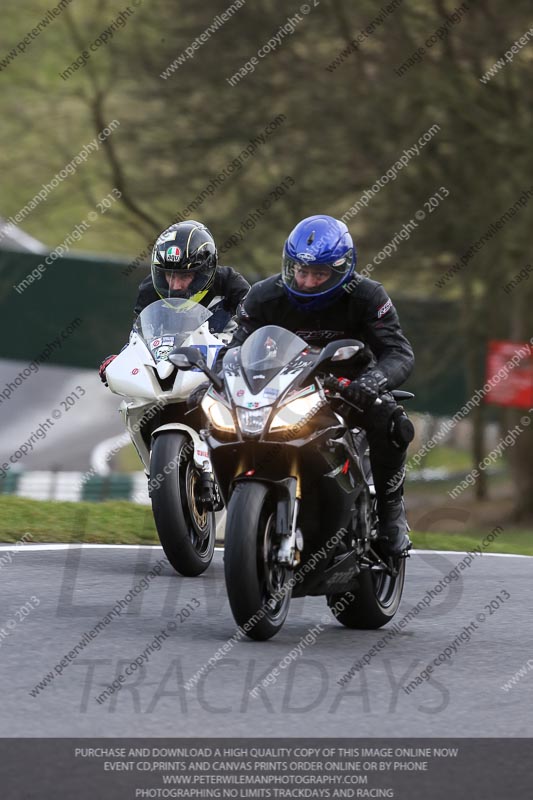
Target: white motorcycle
[[182, 489]]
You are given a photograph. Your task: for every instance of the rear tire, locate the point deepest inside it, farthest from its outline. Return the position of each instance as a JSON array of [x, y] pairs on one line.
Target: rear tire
[[252, 578], [377, 595], [376, 599], [186, 529]]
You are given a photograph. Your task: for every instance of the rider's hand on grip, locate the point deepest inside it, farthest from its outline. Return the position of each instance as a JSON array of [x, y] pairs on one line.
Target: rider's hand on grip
[[336, 384], [103, 366], [364, 391], [331, 383]]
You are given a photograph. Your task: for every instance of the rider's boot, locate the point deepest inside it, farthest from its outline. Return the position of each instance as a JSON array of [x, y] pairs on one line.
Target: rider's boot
[[392, 522], [388, 441], [392, 527]]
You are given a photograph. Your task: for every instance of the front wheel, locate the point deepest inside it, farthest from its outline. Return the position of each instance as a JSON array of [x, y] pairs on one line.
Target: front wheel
[[258, 588], [185, 527]]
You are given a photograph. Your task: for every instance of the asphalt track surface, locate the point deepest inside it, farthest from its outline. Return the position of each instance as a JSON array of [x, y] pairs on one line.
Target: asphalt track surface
[[76, 586]]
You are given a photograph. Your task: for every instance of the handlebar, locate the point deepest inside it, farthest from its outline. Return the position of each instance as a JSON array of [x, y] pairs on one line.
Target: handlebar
[[331, 383]]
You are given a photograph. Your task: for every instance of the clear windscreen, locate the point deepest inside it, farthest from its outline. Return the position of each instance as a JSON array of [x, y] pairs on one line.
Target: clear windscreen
[[268, 350], [166, 317], [167, 323]]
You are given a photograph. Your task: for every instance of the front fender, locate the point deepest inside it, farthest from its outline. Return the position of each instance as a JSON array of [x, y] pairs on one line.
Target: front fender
[[285, 495], [201, 453]]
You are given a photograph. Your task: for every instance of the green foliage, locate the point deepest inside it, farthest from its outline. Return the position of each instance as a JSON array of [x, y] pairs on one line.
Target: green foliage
[[50, 521], [126, 523], [515, 541], [344, 128], [449, 457]]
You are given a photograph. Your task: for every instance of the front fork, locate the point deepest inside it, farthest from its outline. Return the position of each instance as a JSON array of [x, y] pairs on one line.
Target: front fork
[[286, 516], [286, 533], [208, 490], [290, 541]]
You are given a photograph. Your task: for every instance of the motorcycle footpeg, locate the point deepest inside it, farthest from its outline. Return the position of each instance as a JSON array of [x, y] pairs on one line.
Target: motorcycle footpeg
[[405, 553], [393, 561]]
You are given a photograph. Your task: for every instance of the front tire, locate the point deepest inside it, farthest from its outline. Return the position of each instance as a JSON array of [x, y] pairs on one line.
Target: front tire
[[186, 529], [256, 585]]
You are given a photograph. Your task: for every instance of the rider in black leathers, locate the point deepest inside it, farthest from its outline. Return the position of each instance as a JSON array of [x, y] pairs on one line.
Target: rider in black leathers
[[185, 264], [320, 297]]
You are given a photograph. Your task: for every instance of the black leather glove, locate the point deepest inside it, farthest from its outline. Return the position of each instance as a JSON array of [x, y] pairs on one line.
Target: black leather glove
[[364, 391], [103, 366]]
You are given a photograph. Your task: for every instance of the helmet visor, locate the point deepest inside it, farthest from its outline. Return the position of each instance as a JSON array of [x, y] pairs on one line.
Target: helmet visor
[[183, 283], [314, 279]]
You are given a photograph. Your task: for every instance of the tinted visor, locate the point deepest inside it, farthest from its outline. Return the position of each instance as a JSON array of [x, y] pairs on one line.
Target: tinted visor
[[313, 279]]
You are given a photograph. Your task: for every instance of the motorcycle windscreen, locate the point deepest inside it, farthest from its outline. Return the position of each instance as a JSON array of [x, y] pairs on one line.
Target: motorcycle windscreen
[[267, 351], [167, 323]]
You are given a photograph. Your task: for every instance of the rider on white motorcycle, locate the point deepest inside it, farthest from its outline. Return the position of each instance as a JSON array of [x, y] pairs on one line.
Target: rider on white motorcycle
[[185, 265]]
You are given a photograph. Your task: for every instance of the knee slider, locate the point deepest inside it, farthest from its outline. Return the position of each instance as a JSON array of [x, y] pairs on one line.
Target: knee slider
[[401, 429]]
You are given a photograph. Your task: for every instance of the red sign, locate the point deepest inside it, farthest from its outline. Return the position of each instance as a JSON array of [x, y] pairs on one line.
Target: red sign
[[509, 374]]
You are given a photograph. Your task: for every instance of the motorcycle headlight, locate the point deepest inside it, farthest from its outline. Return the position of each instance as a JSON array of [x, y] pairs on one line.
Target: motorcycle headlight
[[296, 411], [217, 413], [253, 420]]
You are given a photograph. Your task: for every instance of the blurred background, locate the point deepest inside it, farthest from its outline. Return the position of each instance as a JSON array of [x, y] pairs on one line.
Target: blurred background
[[410, 120]]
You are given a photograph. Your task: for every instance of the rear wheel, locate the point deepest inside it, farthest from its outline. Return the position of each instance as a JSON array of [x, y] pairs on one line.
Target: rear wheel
[[185, 527], [258, 590], [375, 602], [378, 594]]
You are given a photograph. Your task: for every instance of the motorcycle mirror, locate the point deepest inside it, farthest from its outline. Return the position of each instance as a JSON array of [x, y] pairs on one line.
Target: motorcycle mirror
[[340, 350], [189, 357], [179, 360], [344, 353], [186, 358]]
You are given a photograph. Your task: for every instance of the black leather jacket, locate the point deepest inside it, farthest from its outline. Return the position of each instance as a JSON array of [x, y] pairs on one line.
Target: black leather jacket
[[365, 313]]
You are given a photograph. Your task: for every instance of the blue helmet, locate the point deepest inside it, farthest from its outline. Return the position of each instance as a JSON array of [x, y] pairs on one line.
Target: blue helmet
[[319, 259]]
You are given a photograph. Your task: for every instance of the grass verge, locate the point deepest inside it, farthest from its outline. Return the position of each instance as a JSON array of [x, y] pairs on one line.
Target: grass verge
[[510, 541], [117, 522], [127, 523]]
